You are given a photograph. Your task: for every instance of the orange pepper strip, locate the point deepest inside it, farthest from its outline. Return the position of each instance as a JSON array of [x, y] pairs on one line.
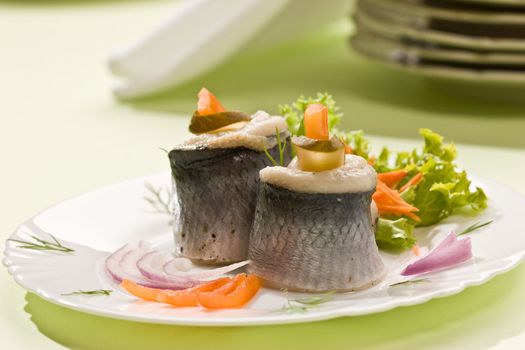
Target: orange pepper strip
[[392, 178], [316, 122], [188, 297], [208, 103], [145, 293], [241, 291], [412, 182], [184, 297]]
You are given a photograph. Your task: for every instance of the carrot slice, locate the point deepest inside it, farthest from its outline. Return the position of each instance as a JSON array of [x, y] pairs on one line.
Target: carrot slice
[[389, 201], [208, 103], [412, 182], [240, 291], [316, 122], [145, 293], [392, 178]]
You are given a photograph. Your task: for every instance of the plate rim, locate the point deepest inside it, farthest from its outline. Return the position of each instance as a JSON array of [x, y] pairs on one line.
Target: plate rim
[[508, 263]]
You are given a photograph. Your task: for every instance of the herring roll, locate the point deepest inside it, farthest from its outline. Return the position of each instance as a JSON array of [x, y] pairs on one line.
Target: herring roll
[[313, 231], [215, 176], [313, 228]]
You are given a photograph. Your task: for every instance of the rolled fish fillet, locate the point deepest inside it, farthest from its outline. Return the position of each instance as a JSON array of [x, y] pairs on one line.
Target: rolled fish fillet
[[215, 177], [313, 231]]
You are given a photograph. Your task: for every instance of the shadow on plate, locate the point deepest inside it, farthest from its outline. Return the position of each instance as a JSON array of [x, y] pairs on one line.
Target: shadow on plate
[[376, 99], [466, 320]]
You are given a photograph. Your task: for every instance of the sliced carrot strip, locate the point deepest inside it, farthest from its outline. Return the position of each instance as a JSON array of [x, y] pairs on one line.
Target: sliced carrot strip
[[416, 250], [413, 216], [241, 291], [389, 201], [208, 103], [316, 122], [145, 293], [412, 182], [392, 178], [372, 160]]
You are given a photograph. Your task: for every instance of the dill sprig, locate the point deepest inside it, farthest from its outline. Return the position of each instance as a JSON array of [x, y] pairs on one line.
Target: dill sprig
[[305, 304], [281, 146], [41, 244], [159, 198], [410, 282], [474, 227], [90, 292]]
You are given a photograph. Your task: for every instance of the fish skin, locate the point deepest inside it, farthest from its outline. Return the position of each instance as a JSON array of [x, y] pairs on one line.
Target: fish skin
[[314, 242], [216, 192]]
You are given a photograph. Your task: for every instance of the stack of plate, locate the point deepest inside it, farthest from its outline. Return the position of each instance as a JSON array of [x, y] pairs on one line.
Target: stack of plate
[[478, 40]]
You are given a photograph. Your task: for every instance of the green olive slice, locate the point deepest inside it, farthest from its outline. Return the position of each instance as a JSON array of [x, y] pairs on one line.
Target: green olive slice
[[319, 155], [204, 124]]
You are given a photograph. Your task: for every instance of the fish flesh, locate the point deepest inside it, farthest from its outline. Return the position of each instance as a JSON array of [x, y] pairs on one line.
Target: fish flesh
[[216, 191], [314, 231]]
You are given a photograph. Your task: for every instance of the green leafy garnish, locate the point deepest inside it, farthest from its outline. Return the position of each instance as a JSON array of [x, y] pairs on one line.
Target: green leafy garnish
[[357, 141], [443, 189], [294, 112], [281, 146], [475, 227], [305, 304], [41, 244], [91, 292], [159, 198], [409, 282], [395, 234]]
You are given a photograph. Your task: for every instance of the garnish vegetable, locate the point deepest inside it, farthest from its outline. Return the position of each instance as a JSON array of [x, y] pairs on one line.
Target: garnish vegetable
[[208, 103], [316, 151], [392, 178], [316, 122], [281, 146], [225, 292], [305, 304], [475, 227], [319, 155], [389, 202], [449, 252], [41, 244], [433, 183], [90, 292], [211, 117]]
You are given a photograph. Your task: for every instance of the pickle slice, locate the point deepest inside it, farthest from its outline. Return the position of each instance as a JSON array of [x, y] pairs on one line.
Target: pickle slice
[[319, 155], [204, 124]]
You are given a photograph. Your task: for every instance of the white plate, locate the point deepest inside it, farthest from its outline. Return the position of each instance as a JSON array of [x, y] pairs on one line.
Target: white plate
[[99, 222]]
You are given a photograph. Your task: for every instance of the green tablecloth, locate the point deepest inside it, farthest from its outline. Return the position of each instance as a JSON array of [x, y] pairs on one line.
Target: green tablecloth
[[62, 133]]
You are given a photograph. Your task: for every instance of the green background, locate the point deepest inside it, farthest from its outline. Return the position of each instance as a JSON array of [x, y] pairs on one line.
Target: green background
[[62, 133]]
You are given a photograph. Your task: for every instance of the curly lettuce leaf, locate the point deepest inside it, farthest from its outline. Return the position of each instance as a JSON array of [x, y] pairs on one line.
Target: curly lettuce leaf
[[395, 234], [357, 141], [444, 188]]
